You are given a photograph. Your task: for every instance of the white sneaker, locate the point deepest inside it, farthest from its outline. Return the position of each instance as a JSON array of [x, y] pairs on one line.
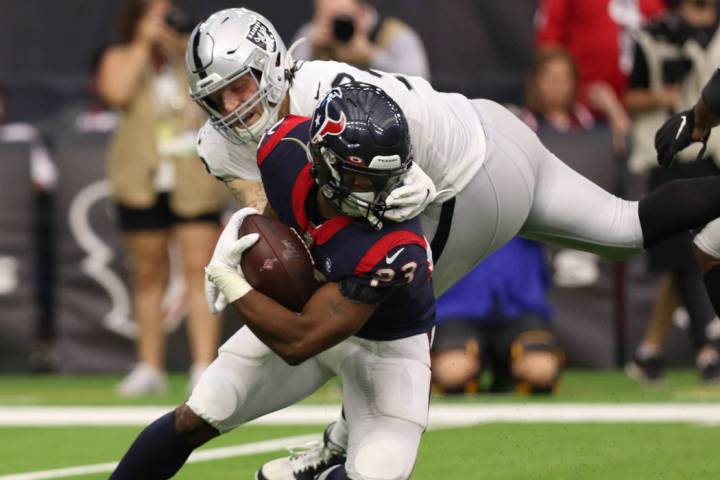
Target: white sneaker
[[196, 371], [305, 462], [143, 380]]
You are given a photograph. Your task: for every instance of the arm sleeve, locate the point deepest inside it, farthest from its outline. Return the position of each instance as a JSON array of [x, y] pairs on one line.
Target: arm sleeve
[[359, 292], [551, 22], [711, 94], [405, 54]]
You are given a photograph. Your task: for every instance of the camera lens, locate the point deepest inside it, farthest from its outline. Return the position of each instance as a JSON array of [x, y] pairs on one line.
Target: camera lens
[[343, 28]]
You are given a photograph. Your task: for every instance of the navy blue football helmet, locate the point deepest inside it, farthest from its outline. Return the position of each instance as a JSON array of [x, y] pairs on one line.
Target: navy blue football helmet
[[360, 148]]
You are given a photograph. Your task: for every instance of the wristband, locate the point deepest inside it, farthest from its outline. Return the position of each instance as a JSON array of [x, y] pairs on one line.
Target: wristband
[[230, 283]]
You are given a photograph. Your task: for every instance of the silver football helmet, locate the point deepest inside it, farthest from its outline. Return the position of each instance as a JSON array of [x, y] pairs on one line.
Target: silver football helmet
[[229, 44]]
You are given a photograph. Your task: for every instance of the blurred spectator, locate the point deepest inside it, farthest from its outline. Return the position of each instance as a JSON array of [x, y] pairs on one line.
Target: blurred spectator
[[159, 184], [352, 31], [42, 168], [497, 318], [43, 173], [597, 35], [551, 94], [674, 57]]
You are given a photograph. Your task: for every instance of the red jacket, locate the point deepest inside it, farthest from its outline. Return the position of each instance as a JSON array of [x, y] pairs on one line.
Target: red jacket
[[592, 34]]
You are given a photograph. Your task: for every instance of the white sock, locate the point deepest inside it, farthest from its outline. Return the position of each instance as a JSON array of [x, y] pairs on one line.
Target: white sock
[[646, 350]]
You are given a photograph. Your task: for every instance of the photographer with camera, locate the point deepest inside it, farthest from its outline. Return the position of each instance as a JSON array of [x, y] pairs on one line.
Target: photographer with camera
[[674, 58], [352, 31], [158, 184]]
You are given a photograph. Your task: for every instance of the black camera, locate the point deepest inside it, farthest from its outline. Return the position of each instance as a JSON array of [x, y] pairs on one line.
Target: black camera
[[343, 28], [676, 69], [179, 21]]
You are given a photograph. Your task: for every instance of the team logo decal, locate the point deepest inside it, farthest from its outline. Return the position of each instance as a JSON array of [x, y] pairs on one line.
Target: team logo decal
[[324, 123], [261, 36], [268, 264]]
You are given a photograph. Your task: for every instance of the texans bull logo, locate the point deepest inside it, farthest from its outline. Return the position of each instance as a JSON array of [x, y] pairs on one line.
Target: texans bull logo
[[325, 123]]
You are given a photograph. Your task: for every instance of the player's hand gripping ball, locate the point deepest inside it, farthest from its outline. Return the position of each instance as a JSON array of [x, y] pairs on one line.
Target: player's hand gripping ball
[[279, 264]]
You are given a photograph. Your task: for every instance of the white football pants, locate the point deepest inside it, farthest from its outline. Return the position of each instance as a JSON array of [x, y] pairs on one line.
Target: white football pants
[[522, 188], [386, 388]]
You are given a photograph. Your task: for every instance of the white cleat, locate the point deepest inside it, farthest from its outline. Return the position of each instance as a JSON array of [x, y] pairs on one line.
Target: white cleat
[[305, 462]]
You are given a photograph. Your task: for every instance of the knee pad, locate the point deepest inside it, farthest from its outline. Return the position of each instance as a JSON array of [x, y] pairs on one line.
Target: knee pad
[[215, 399], [382, 459], [535, 361]]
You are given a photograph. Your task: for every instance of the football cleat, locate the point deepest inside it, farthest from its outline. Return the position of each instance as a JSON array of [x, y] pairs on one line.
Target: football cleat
[[648, 371], [305, 462], [710, 373], [708, 363]]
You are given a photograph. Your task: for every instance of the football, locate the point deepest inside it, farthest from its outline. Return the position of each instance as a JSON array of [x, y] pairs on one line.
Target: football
[[279, 264]]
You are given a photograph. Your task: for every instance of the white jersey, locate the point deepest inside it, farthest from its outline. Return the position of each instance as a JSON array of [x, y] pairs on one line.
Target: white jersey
[[447, 137]]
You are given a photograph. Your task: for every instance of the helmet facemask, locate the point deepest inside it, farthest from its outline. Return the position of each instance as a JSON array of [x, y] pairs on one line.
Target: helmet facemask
[[360, 148], [337, 181], [228, 46], [233, 125]]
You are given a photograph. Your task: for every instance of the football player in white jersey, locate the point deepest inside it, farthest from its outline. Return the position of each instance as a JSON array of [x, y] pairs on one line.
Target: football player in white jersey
[[481, 175]]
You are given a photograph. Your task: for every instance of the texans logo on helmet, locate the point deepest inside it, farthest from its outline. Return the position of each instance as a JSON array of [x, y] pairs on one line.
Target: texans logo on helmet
[[328, 125]]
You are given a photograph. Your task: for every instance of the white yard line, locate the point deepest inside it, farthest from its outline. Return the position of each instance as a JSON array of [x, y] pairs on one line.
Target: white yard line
[[142, 415], [201, 456], [440, 415]]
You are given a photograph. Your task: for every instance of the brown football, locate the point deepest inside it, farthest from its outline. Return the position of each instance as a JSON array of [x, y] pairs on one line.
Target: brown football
[[278, 265]]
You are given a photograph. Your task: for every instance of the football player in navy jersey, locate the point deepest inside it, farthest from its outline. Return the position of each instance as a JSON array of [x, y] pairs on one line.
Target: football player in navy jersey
[[370, 323]]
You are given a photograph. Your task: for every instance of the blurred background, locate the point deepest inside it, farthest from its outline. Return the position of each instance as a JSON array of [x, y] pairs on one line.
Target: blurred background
[[477, 48]]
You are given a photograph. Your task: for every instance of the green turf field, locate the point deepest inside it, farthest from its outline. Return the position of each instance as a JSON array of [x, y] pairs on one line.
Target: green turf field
[[558, 450]]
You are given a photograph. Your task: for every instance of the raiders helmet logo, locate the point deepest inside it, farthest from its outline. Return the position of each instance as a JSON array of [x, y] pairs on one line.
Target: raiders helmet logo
[[261, 36]]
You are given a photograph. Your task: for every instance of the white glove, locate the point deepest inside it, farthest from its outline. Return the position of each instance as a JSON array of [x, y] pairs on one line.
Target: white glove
[[410, 199], [224, 255]]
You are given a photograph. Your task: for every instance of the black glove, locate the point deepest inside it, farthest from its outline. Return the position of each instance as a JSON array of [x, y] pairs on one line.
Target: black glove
[[674, 136]]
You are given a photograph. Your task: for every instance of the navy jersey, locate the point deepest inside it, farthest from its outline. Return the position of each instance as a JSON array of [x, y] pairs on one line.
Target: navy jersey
[[391, 267]]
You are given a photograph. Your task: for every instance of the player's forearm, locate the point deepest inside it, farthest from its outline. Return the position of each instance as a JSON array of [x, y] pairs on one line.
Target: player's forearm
[[276, 326], [707, 109], [295, 337], [247, 193]]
